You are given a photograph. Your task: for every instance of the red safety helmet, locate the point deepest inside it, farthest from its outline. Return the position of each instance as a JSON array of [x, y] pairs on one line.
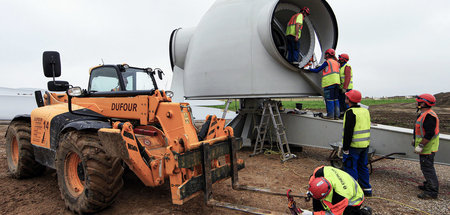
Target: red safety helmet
[[306, 10], [331, 52], [319, 188], [344, 57], [354, 96], [429, 99]]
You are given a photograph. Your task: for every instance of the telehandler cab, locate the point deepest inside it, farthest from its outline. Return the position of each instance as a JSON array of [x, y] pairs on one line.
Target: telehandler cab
[[89, 135]]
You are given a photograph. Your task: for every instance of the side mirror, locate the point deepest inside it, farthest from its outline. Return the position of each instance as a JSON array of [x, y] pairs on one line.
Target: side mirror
[[52, 64], [58, 85], [160, 73]]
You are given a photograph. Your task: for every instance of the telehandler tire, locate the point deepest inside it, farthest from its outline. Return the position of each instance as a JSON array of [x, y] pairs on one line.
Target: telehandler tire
[[20, 153], [88, 178]]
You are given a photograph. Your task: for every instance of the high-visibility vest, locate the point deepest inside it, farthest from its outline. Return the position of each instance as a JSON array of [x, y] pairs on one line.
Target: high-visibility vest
[[343, 184], [330, 75], [433, 145], [361, 133], [290, 29], [342, 75]]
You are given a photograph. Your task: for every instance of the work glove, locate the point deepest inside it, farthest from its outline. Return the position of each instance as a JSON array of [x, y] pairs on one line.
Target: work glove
[[307, 213], [345, 152], [343, 90], [418, 149]]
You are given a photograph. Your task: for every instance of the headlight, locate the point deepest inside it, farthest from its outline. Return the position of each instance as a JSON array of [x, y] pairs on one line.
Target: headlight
[[74, 91], [169, 94]]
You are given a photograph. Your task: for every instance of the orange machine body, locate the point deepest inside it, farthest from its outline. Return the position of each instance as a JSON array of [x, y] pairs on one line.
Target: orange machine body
[[148, 132]]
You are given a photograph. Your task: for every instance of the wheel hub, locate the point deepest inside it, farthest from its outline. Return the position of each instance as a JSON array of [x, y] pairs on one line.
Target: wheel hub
[[74, 174], [15, 151]]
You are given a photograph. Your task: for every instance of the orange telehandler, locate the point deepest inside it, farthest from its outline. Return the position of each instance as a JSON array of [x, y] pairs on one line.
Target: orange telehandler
[[88, 136]]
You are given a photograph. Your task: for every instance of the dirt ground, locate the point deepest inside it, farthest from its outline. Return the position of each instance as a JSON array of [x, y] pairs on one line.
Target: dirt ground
[[394, 183], [404, 115]]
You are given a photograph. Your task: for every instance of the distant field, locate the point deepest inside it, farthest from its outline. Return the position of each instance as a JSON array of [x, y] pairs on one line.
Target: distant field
[[309, 103]]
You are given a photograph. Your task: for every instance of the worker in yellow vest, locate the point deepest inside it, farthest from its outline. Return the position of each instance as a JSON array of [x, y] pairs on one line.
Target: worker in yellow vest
[[346, 74], [293, 33], [330, 83], [426, 143], [335, 192], [356, 140]]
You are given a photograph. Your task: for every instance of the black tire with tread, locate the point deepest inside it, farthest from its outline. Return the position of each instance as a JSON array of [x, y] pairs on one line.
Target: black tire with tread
[[26, 166], [102, 173]]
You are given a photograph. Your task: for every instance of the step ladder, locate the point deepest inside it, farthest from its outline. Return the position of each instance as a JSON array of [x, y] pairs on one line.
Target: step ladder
[[271, 114]]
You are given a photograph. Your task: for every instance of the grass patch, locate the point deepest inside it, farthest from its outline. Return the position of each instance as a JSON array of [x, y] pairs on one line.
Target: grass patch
[[309, 103]]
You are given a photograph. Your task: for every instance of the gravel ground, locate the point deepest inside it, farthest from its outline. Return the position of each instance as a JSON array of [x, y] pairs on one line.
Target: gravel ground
[[394, 183]]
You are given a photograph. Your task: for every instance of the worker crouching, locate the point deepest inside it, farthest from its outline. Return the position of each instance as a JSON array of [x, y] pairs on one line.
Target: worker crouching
[[335, 192]]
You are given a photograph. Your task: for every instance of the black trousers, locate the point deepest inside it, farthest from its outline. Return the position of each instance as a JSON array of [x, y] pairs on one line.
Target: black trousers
[[431, 181], [350, 210]]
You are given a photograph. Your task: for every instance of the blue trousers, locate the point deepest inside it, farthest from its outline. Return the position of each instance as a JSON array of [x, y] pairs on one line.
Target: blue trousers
[[293, 48], [331, 96], [355, 164], [343, 107]]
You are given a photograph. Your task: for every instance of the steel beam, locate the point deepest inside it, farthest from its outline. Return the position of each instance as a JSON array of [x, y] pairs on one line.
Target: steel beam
[[307, 130]]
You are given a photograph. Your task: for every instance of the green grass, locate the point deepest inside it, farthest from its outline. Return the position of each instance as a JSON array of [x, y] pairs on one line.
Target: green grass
[[319, 104]]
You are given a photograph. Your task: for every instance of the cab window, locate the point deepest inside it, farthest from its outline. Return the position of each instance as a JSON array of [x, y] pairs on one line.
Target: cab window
[[104, 79]]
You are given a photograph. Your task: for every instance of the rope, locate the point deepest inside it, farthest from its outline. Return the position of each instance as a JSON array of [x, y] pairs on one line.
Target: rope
[[285, 168], [271, 152], [400, 203]]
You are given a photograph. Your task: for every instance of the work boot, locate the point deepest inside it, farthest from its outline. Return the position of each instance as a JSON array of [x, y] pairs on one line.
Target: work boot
[[426, 196], [330, 109], [337, 110], [367, 194], [366, 210], [328, 117], [423, 187]]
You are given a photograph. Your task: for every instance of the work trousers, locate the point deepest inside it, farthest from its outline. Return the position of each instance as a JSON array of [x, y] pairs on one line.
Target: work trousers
[[355, 164], [331, 96], [343, 107], [431, 181], [350, 210], [293, 48]]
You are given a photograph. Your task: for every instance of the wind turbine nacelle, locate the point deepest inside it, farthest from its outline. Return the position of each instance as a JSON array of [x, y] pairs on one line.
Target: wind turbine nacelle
[[238, 50]]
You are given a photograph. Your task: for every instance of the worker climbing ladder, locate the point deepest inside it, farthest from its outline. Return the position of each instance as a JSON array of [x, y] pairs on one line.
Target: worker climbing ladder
[[270, 114]]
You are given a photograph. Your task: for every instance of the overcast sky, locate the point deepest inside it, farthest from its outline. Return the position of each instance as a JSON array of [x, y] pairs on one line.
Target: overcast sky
[[396, 47]]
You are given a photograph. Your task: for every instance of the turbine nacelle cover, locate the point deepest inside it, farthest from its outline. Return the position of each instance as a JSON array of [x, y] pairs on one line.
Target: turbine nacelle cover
[[238, 50]]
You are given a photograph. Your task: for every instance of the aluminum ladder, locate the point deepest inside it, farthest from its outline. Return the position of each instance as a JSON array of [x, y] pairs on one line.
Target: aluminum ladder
[[271, 113]]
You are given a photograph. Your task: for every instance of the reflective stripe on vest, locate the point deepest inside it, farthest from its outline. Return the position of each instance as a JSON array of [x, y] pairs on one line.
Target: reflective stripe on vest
[[361, 132], [433, 145], [343, 184], [330, 75], [342, 75], [290, 29]]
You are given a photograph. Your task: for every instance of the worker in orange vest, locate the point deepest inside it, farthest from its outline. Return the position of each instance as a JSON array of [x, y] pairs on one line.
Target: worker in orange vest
[[426, 143], [330, 83], [293, 33]]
